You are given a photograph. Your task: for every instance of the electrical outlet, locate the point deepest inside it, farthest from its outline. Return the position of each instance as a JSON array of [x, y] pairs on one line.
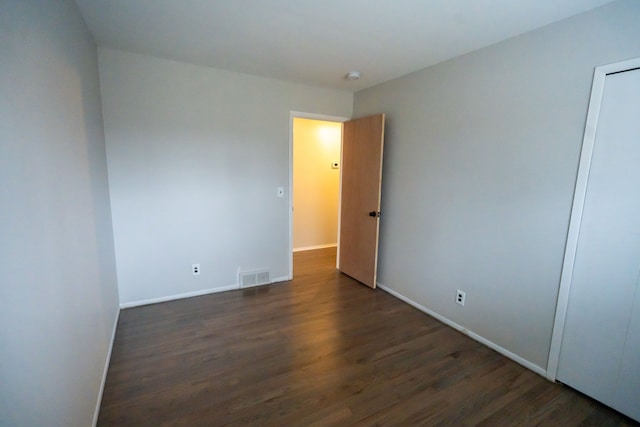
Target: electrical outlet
[[195, 269], [460, 296]]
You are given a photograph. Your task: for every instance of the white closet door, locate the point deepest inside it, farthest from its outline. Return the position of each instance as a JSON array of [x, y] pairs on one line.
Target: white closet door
[[600, 351], [628, 393]]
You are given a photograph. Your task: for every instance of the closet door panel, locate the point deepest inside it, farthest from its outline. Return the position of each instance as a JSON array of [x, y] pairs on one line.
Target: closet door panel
[[628, 393], [597, 347]]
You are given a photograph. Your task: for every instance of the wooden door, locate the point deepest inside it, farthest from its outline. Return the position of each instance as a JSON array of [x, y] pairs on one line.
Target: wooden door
[[362, 147]]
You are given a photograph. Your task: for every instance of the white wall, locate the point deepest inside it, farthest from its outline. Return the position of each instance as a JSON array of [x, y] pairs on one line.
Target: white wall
[[195, 157], [58, 290], [481, 157], [316, 184]]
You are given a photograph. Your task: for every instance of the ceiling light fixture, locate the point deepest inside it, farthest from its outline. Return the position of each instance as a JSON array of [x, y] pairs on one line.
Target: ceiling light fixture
[[353, 75]]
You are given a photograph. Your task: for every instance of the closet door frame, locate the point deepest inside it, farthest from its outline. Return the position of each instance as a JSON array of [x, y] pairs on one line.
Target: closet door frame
[[588, 142]]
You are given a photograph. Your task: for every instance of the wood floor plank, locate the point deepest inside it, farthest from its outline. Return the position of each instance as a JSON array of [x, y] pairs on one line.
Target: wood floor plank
[[321, 350]]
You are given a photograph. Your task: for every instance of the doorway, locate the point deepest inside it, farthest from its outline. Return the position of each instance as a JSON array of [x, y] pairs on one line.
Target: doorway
[[315, 165]]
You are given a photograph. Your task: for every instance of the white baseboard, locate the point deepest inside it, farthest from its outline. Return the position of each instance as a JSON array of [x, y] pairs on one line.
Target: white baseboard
[[178, 296], [524, 362], [273, 281], [105, 371], [311, 248], [194, 294]]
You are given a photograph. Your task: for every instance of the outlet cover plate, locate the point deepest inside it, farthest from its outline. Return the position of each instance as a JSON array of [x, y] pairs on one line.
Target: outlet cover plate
[[460, 297]]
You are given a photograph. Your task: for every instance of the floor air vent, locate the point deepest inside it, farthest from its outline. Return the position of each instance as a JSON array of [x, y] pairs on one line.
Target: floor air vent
[[254, 278]]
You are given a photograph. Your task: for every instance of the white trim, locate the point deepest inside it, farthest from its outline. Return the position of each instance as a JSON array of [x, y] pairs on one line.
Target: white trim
[[597, 91], [178, 296], [312, 248], [195, 294], [300, 114], [340, 197], [96, 412], [272, 282], [524, 362], [314, 116]]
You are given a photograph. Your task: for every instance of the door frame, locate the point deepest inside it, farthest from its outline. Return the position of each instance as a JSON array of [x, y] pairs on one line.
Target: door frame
[[575, 221], [313, 116]]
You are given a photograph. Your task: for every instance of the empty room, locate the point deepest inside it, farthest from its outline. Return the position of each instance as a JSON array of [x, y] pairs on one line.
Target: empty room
[[286, 213]]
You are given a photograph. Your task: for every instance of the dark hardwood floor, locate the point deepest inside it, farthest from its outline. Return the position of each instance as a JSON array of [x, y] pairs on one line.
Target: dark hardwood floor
[[320, 350]]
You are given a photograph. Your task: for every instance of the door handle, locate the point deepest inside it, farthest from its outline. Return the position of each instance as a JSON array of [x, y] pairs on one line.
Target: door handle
[[374, 214]]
